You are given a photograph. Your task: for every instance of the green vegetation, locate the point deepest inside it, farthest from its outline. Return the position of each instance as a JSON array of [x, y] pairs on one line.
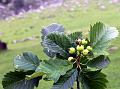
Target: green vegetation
[[78, 19]]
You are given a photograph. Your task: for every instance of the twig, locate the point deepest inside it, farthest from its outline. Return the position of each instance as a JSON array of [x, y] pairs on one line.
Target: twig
[[78, 72], [78, 84]]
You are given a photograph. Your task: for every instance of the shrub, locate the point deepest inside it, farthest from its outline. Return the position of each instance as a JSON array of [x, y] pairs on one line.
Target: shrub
[[72, 58]]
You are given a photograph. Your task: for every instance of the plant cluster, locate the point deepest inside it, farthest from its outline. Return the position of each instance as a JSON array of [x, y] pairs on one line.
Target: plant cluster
[[71, 58], [81, 50]]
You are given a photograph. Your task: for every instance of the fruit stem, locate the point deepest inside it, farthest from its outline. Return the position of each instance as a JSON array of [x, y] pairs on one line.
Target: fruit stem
[[78, 62], [78, 72], [78, 84]]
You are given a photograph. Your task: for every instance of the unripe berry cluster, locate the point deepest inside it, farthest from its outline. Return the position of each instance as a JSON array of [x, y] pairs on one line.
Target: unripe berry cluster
[[82, 49]]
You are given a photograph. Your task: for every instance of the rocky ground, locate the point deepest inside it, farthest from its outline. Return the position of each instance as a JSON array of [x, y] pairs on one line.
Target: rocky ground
[[14, 7]]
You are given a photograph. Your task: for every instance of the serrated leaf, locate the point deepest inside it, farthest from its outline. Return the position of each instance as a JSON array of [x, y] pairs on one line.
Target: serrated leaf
[[26, 61], [56, 44], [49, 52], [99, 62], [52, 28], [74, 36], [66, 81], [93, 80], [101, 36], [53, 68], [16, 80]]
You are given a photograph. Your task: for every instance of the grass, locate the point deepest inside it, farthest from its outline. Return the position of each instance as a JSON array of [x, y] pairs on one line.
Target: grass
[[77, 20]]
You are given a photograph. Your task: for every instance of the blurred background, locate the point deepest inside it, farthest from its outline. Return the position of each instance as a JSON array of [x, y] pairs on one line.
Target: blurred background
[[21, 22]]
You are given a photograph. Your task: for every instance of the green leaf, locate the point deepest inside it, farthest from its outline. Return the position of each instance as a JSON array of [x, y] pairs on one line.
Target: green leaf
[[99, 62], [26, 61], [57, 44], [53, 68], [16, 80], [52, 28], [101, 36], [93, 80], [66, 81], [74, 36]]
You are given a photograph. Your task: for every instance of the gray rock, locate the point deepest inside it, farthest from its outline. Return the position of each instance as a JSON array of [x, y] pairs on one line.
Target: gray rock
[[113, 48], [1, 33], [32, 38], [102, 7], [12, 7]]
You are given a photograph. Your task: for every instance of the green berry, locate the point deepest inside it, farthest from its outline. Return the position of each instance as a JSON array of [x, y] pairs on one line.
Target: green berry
[[89, 48], [78, 53], [72, 50], [70, 59], [85, 52], [84, 42], [80, 48]]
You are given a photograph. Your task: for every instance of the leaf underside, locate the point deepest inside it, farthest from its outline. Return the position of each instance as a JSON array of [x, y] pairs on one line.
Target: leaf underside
[[52, 28], [99, 62]]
